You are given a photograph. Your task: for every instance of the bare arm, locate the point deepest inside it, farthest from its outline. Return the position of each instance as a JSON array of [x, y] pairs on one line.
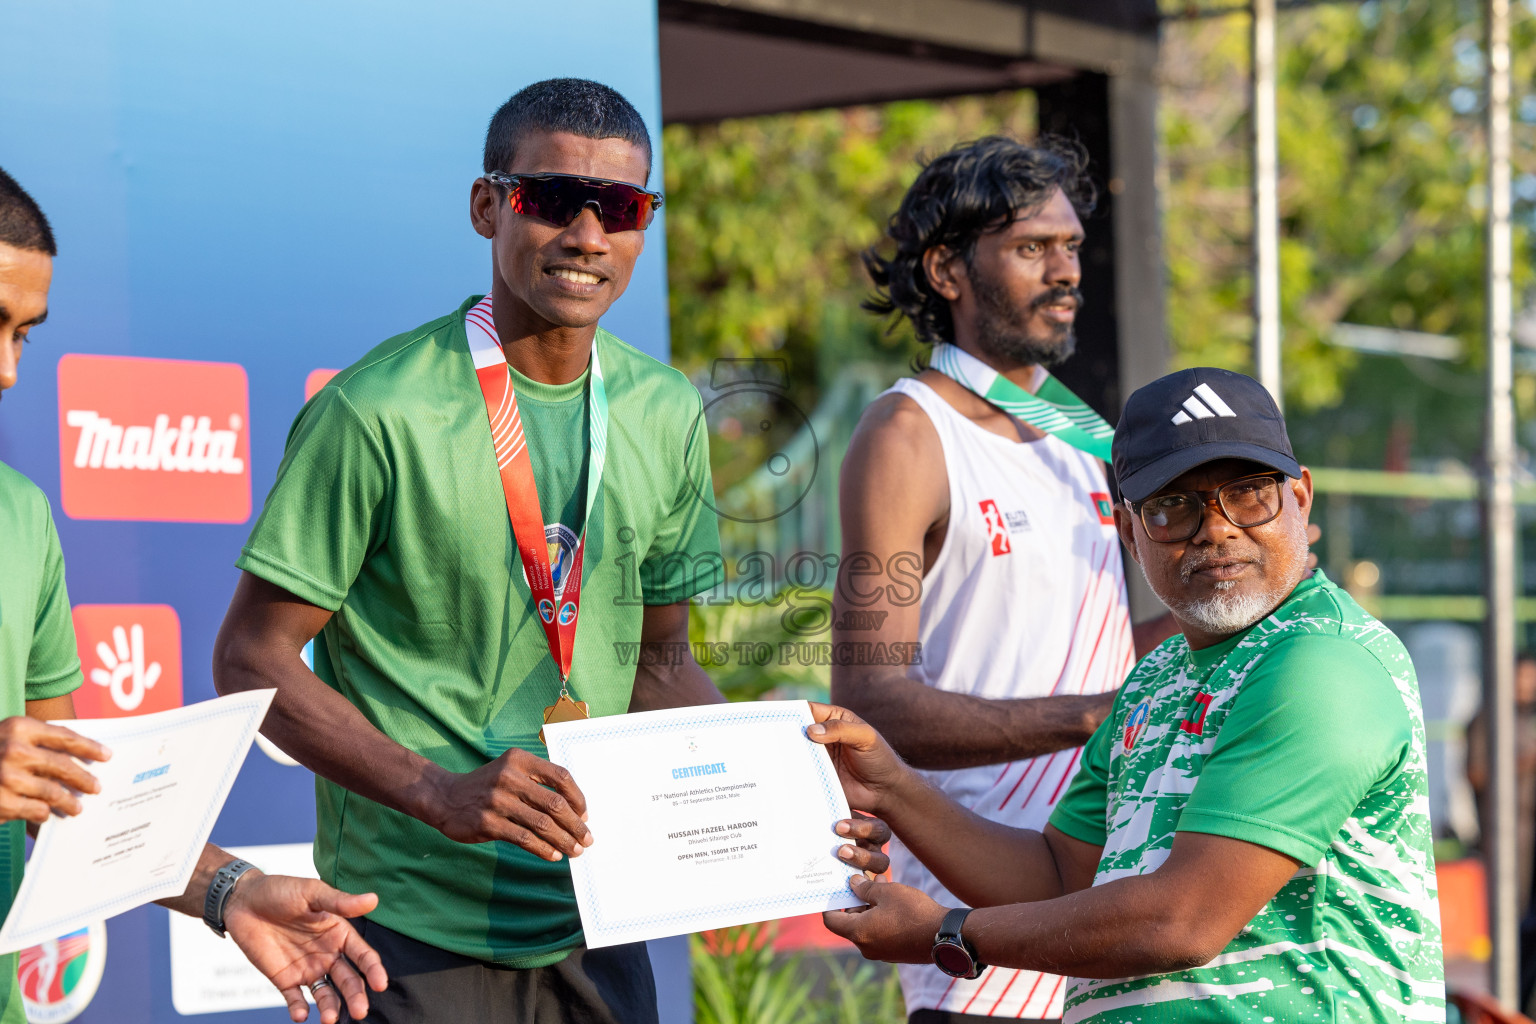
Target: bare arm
[[893, 493], [982, 862], [1477, 755], [1177, 917], [1162, 921], [518, 797], [668, 677]]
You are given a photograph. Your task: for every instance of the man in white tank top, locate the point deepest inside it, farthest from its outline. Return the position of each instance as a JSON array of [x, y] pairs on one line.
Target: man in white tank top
[[1021, 614]]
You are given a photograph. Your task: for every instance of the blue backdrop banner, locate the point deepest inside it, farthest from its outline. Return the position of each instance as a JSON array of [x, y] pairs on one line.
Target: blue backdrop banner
[[244, 197]]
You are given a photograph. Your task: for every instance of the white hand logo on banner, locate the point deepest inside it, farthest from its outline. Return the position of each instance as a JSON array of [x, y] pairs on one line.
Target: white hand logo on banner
[[125, 673]]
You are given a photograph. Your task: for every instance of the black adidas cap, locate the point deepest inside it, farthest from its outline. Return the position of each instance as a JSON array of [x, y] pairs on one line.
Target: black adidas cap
[[1193, 417]]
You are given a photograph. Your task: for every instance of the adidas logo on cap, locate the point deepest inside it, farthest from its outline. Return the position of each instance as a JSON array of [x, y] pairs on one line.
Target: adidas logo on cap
[[1154, 442], [1195, 409]]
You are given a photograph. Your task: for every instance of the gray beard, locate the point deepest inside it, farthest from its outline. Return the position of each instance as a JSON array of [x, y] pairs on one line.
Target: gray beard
[[1225, 613], [1230, 610]]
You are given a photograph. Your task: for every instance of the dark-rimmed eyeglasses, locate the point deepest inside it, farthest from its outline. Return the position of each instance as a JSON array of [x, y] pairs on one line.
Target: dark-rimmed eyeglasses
[[560, 198], [1246, 502]]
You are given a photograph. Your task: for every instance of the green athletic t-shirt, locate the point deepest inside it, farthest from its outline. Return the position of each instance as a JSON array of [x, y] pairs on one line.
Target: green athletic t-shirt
[[389, 511], [1303, 734], [38, 659]]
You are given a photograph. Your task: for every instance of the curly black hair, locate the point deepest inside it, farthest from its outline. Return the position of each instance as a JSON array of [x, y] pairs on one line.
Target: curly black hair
[[974, 188]]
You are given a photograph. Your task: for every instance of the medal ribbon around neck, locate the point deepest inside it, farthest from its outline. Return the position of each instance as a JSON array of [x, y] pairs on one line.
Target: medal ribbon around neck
[[1053, 408], [516, 467]]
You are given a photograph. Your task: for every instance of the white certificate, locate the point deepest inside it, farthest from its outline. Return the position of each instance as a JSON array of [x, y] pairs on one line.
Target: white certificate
[[139, 839], [704, 817]]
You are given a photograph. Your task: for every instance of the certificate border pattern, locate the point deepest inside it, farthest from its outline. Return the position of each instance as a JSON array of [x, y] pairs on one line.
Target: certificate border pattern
[[105, 909], [792, 714]]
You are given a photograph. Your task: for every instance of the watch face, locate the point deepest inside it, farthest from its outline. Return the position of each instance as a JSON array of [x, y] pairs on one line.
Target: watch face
[[952, 960]]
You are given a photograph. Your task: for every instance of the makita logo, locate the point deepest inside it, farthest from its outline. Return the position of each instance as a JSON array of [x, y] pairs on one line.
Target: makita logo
[[191, 447], [154, 439]]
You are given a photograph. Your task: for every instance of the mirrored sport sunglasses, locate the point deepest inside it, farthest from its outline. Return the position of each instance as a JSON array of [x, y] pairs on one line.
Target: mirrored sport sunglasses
[[560, 198]]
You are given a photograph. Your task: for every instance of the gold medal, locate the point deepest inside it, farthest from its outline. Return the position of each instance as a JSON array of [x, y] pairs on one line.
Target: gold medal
[[564, 710]]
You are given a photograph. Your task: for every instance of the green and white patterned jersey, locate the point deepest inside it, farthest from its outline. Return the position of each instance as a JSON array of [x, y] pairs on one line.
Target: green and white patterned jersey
[[1303, 734]]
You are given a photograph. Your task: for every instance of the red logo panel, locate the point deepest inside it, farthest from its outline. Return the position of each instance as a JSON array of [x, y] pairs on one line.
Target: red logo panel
[[131, 654], [1104, 507], [1196, 722], [316, 380], [997, 529], [154, 439]]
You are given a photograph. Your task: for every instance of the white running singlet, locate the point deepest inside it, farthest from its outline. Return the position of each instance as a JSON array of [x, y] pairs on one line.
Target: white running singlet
[[1026, 599]]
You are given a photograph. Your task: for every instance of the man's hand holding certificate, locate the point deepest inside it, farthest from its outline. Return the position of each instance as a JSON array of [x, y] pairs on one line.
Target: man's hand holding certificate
[[132, 827], [707, 817], [145, 822]]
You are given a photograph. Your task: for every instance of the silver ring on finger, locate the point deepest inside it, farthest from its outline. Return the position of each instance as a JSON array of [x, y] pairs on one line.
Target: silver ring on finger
[[320, 983]]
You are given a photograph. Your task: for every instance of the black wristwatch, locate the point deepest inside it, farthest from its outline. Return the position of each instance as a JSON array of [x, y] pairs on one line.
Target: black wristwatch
[[951, 953], [218, 893]]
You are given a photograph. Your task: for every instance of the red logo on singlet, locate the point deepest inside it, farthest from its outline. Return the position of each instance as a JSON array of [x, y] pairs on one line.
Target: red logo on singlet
[[1104, 507], [131, 655], [154, 439], [997, 528]]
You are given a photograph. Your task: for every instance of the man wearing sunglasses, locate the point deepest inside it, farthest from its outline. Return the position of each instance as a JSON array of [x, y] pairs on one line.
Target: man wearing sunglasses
[[446, 639], [1249, 837]]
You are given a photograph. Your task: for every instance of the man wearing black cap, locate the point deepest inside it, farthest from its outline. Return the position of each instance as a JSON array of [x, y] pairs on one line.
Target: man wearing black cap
[[1248, 838]]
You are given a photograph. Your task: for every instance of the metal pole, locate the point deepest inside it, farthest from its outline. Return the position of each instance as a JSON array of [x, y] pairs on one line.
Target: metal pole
[[1499, 513], [1266, 200]]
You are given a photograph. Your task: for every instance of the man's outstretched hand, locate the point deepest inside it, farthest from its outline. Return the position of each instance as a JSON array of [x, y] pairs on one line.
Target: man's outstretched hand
[[296, 931], [898, 926]]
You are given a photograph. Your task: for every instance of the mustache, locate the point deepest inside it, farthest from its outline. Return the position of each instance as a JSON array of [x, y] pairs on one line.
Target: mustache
[[1193, 563], [1056, 294]]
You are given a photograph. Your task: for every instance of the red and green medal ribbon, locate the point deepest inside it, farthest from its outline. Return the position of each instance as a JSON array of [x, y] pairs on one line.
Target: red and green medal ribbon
[[559, 613]]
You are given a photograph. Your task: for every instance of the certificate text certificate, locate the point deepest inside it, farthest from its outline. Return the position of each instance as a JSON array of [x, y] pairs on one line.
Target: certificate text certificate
[[140, 838], [703, 817]]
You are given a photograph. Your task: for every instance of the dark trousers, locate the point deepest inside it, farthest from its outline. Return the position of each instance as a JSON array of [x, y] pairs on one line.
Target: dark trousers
[[1527, 959], [945, 1017], [427, 985]]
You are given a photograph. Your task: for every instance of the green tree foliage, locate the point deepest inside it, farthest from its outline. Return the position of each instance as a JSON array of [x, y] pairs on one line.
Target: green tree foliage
[[767, 216], [1381, 138], [1382, 199], [738, 978], [1381, 142]]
